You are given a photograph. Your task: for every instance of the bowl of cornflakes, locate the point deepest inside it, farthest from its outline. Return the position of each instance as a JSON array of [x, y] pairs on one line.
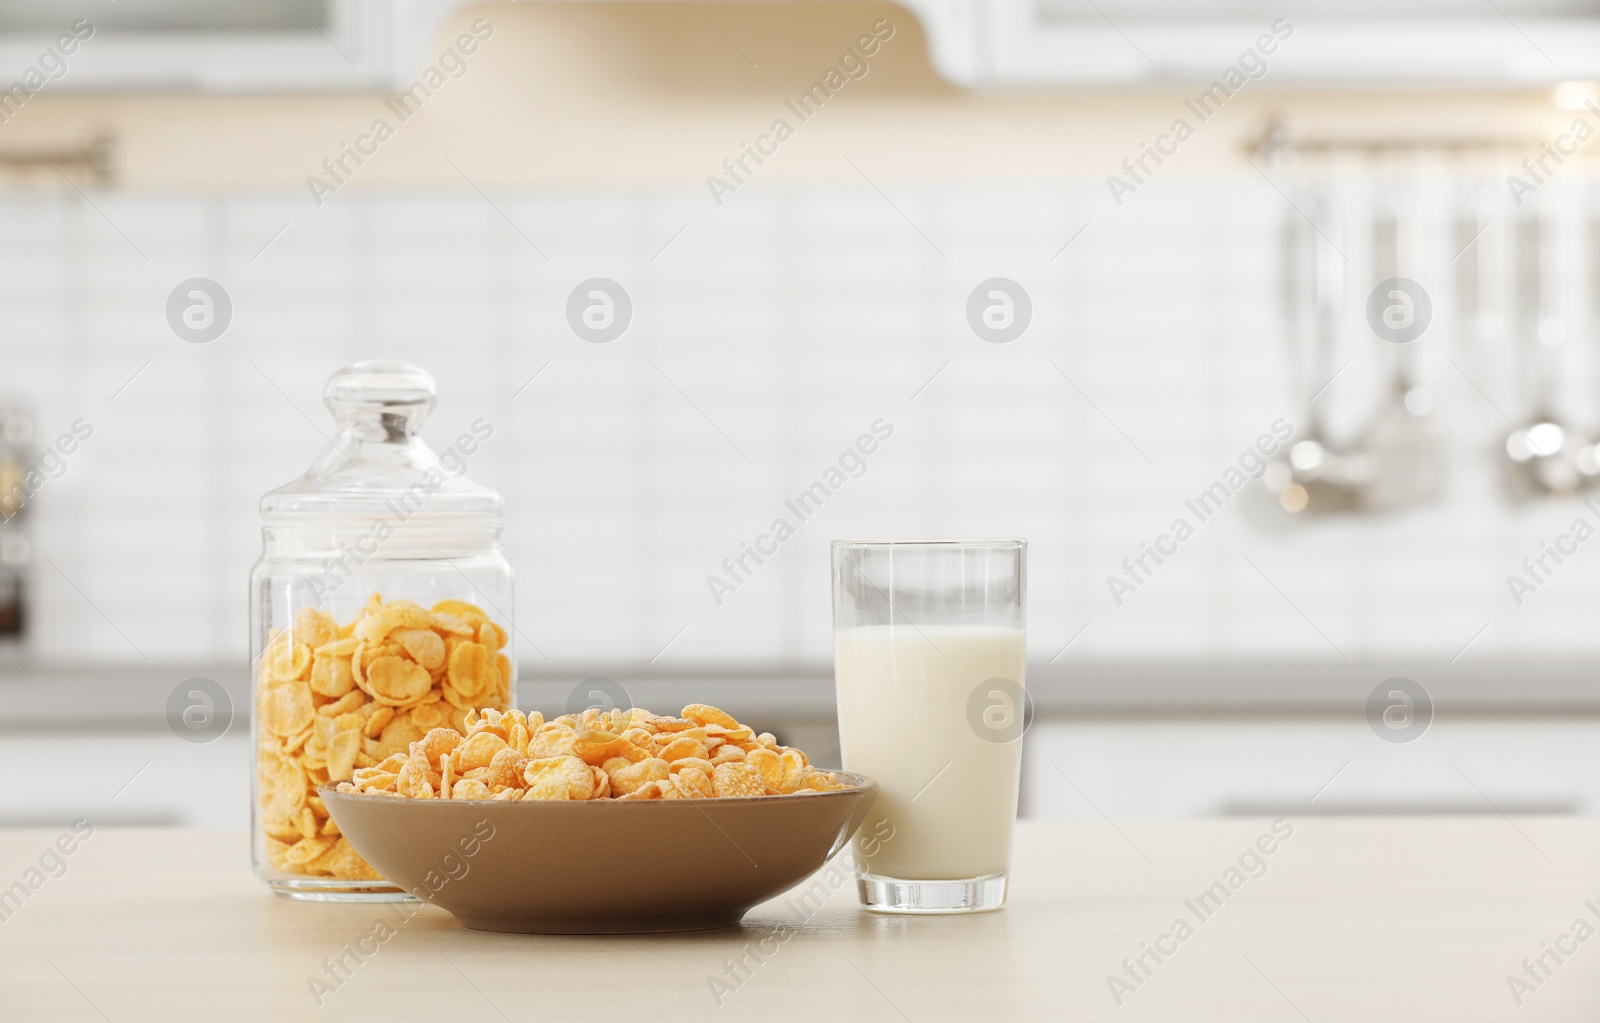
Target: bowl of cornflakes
[[605, 822]]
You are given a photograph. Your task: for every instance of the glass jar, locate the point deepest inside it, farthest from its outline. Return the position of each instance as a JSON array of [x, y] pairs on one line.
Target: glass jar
[[380, 608]]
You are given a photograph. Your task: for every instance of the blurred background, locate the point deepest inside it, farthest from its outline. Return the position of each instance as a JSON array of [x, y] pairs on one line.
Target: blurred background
[[1317, 280]]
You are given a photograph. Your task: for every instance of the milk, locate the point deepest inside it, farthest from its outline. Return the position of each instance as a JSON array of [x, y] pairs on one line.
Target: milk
[[949, 795]]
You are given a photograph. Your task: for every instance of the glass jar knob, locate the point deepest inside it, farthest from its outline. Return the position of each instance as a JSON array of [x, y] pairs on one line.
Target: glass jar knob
[[380, 400]]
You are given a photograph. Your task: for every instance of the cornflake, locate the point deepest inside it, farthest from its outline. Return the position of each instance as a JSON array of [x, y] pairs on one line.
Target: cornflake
[[353, 704], [615, 754]]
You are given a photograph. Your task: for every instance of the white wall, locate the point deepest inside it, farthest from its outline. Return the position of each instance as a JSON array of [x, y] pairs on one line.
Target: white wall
[[791, 318]]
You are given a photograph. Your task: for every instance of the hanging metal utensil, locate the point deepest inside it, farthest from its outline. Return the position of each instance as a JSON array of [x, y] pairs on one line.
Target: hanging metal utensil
[[1588, 459], [1315, 476], [1542, 453], [1404, 450]]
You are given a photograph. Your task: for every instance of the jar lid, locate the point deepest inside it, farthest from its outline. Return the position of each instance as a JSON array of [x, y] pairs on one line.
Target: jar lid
[[378, 464]]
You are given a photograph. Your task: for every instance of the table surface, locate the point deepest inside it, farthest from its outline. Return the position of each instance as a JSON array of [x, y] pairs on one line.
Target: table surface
[[1346, 919]]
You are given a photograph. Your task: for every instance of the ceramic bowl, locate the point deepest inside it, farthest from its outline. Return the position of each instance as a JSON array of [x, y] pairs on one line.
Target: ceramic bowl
[[601, 866]]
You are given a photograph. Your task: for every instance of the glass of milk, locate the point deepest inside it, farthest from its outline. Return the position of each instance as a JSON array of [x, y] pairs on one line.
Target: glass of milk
[[929, 653]]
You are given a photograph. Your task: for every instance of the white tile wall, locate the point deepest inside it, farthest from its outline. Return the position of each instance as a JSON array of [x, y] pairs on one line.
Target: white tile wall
[[792, 318]]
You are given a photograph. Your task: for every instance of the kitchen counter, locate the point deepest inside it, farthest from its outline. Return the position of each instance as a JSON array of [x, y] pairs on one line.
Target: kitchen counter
[[123, 697], [1345, 919]]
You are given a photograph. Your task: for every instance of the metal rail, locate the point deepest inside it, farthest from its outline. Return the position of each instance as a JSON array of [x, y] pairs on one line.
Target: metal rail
[[1276, 140], [95, 159]]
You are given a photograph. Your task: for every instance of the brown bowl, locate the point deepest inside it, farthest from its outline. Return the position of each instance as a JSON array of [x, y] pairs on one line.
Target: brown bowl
[[601, 866]]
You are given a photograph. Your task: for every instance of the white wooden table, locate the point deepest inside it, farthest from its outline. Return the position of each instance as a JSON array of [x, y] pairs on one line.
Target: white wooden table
[[1369, 920]]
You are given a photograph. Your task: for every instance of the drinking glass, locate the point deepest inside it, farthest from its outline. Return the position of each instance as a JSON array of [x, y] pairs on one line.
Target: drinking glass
[[929, 654]]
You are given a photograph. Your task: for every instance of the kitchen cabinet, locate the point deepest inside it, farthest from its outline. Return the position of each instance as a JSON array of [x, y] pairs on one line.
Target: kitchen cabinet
[[377, 45], [1336, 43], [212, 46], [1132, 768], [1164, 768], [126, 778]]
